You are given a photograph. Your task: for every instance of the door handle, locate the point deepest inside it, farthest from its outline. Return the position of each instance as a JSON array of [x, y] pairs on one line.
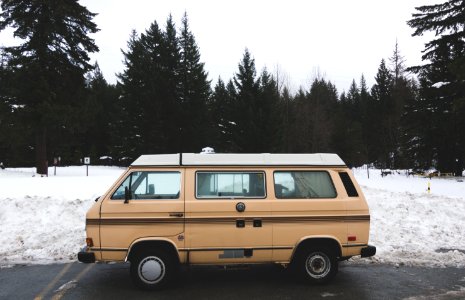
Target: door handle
[[176, 214]]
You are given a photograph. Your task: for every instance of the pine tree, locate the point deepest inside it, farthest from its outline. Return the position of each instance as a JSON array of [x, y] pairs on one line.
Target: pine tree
[[267, 115], [353, 99], [323, 98], [302, 124], [286, 117], [255, 109], [5, 110], [401, 93], [384, 128], [16, 148], [150, 89], [443, 77], [194, 92], [398, 64], [369, 115], [165, 92], [52, 58], [170, 91], [417, 131], [348, 135], [221, 116], [102, 113], [135, 92], [314, 117], [246, 134]]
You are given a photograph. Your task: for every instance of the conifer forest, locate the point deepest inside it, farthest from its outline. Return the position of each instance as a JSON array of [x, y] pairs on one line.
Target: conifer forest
[[54, 102]]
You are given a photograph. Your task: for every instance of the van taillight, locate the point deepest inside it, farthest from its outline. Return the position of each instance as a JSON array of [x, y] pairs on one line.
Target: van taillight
[[89, 242]]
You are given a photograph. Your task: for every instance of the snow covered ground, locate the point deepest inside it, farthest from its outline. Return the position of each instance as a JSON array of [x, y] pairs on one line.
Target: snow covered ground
[[42, 218], [411, 226]]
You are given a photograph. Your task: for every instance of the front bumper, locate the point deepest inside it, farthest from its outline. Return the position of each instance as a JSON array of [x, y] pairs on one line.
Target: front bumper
[[368, 251], [85, 256]]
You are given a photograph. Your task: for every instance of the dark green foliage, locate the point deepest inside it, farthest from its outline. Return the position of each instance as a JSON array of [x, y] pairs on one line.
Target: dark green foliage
[[101, 115], [416, 121], [315, 111], [49, 65], [145, 100], [286, 118], [348, 134], [255, 114], [163, 101], [442, 80], [221, 107], [384, 105], [267, 114], [165, 93], [194, 92], [246, 106]]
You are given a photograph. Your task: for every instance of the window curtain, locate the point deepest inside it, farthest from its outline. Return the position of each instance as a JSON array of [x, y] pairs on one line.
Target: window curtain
[[313, 185]]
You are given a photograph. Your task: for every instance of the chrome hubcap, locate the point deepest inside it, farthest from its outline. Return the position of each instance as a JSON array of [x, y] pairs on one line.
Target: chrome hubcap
[[151, 270], [317, 265]]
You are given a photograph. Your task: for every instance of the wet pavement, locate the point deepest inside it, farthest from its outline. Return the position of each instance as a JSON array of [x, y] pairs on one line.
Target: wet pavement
[[112, 281]]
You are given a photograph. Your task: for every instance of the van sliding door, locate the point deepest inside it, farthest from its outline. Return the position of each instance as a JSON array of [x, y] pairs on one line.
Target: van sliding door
[[226, 212]]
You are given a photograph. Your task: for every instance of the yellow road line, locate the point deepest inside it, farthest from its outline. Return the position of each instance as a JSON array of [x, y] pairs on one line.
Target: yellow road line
[[53, 282], [61, 293]]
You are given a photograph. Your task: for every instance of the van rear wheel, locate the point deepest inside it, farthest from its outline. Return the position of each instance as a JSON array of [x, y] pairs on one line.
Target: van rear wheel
[[317, 264], [152, 269]]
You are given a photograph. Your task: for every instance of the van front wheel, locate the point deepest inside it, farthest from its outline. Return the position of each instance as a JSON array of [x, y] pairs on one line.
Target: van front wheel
[[152, 270], [317, 265]]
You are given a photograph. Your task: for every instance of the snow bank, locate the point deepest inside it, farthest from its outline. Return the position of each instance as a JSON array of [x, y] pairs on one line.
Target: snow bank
[[41, 229], [411, 226], [43, 218]]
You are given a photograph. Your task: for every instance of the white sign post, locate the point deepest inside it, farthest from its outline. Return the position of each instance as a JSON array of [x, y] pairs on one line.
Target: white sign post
[[87, 163]]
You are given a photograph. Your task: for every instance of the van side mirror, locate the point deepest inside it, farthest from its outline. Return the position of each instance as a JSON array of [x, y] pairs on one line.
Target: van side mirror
[[127, 195]]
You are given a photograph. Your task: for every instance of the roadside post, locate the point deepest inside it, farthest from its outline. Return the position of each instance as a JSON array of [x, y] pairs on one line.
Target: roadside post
[[87, 163], [55, 161]]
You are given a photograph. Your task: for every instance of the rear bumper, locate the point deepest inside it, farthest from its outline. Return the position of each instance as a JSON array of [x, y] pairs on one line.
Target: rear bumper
[[85, 256], [368, 251]]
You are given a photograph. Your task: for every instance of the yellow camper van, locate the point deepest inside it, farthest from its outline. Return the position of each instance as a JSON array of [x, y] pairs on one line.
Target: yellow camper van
[[301, 210]]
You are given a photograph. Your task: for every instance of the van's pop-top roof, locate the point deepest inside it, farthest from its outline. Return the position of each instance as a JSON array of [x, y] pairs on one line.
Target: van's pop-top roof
[[233, 159]]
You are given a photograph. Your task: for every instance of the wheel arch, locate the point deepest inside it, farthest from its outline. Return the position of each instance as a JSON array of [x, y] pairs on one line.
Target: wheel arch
[[151, 243], [312, 241]]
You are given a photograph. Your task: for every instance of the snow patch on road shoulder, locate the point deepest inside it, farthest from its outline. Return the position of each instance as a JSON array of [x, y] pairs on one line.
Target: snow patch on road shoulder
[[41, 229]]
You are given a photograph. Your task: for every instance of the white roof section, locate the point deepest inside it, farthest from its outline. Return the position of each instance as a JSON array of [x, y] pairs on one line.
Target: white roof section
[[234, 159], [157, 160]]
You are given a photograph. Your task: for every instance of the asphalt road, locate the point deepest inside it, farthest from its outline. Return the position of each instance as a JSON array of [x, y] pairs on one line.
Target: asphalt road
[[112, 281]]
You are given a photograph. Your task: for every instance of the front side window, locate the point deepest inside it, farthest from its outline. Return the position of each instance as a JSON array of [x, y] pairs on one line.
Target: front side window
[[303, 184], [150, 185], [230, 185]]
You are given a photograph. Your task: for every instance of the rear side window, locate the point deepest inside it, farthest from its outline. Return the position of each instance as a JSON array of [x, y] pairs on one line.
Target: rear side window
[[303, 185], [230, 185], [348, 184]]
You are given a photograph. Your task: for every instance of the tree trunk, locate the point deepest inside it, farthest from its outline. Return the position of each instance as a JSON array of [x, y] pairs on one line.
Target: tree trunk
[[41, 152]]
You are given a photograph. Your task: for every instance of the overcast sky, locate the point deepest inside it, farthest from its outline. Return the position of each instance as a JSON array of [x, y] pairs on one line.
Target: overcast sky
[[339, 39]]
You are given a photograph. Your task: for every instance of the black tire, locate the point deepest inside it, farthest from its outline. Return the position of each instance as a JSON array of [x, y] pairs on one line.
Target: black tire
[[317, 264], [153, 269]]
